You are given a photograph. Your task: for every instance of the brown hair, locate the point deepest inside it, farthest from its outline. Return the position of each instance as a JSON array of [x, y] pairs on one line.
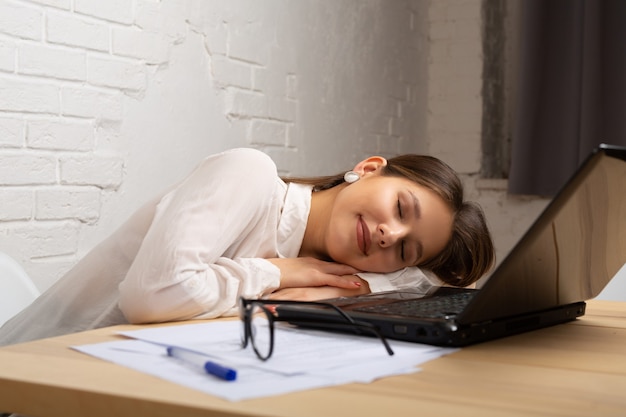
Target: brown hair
[[469, 254]]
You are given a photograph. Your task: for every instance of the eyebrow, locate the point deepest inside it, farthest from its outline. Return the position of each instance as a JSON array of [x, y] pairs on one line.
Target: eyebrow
[[420, 251], [417, 211]]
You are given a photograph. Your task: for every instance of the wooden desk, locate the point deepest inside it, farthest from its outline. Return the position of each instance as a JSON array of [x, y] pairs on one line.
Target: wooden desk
[[575, 369]]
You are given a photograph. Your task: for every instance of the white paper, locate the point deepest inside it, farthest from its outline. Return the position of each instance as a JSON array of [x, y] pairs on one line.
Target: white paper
[[302, 358]]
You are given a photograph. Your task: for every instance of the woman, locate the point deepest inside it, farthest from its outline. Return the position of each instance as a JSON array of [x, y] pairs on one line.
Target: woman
[[234, 228]]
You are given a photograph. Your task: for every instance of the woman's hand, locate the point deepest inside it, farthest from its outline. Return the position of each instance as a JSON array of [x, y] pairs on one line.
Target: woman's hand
[[319, 293], [311, 272]]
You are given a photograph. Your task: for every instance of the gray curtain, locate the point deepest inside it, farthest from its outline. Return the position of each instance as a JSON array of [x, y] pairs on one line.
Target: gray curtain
[[571, 91]]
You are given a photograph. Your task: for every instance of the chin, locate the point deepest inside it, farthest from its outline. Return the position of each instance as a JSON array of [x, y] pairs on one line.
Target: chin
[[364, 267], [375, 270]]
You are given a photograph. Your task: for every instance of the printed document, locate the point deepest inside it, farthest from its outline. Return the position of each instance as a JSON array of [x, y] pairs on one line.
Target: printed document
[[302, 358]]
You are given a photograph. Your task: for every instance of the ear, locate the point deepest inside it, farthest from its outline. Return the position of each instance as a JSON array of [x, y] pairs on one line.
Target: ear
[[370, 165]]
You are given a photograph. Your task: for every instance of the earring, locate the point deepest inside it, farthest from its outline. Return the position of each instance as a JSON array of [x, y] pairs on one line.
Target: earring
[[351, 177]]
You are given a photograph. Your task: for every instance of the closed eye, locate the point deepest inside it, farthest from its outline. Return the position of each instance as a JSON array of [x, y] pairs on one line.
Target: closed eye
[[401, 215]]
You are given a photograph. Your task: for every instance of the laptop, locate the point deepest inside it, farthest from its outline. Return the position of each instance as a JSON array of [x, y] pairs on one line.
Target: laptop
[[567, 256]]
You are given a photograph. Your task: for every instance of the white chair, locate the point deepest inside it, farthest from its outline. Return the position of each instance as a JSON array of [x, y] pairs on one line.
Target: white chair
[[17, 290]]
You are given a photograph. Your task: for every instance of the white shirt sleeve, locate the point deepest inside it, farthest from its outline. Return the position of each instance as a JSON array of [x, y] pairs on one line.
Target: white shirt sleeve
[[205, 245], [413, 278]]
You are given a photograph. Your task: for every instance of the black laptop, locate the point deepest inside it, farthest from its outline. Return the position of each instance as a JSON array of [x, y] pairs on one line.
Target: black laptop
[[567, 256]]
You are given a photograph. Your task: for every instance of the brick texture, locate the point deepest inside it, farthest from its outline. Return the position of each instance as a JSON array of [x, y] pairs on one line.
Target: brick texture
[[104, 102]]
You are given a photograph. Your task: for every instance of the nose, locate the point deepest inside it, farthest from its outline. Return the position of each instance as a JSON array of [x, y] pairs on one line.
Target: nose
[[389, 234]]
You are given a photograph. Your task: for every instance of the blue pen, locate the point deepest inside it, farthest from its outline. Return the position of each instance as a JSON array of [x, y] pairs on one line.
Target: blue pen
[[200, 361]]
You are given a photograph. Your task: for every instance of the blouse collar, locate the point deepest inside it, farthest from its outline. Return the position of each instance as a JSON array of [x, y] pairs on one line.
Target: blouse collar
[[293, 219]]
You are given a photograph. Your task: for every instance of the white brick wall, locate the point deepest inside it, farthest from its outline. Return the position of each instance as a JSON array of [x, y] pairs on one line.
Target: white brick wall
[[75, 203], [89, 102], [51, 62], [56, 134], [22, 20], [17, 203], [29, 96], [67, 72], [455, 114], [104, 103], [62, 29], [455, 71], [27, 169]]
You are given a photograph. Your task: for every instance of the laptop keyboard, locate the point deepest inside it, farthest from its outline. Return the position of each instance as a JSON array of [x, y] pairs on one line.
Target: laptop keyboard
[[433, 307]]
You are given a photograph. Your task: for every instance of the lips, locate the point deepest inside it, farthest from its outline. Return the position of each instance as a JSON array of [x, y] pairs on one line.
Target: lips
[[363, 236]]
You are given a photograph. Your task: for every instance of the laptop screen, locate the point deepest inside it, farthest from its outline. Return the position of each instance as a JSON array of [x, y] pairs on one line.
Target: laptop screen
[[572, 250]]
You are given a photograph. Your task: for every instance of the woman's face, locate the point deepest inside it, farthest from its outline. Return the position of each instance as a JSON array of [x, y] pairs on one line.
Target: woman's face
[[383, 224]]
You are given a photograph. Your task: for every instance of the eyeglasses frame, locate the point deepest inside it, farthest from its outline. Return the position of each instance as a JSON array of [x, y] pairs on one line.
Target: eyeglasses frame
[[245, 314]]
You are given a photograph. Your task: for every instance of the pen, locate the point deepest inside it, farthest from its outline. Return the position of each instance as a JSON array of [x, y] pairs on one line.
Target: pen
[[200, 361]]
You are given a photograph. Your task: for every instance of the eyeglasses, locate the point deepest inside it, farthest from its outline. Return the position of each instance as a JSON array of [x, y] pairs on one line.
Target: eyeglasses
[[261, 335]]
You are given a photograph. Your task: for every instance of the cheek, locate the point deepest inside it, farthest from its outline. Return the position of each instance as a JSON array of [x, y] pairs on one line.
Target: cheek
[[336, 246], [341, 234]]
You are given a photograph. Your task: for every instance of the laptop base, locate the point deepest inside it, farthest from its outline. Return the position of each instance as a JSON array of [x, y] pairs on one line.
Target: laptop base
[[438, 332]]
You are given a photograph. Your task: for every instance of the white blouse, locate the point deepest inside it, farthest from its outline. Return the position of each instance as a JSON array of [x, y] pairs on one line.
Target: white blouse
[[190, 253]]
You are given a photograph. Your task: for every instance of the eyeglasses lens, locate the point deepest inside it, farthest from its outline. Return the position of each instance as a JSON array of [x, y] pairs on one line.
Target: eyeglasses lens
[[261, 331]]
